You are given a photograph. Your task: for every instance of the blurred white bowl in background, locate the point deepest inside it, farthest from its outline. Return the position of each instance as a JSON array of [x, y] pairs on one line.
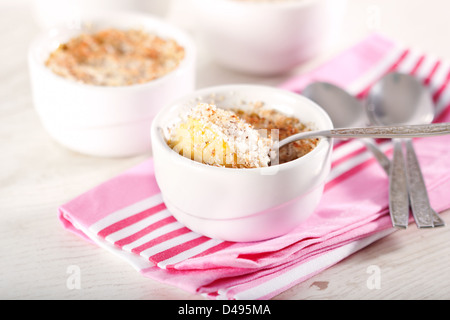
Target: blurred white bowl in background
[[106, 121], [49, 13], [267, 38]]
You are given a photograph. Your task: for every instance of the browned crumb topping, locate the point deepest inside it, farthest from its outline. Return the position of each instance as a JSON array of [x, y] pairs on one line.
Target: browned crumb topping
[[269, 119], [116, 58], [218, 137]]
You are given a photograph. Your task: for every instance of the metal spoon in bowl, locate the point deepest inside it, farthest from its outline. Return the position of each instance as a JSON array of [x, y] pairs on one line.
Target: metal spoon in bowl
[[381, 132], [401, 99], [345, 111]]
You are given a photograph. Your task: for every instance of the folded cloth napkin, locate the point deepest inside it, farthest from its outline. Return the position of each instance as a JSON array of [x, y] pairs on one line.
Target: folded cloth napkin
[[128, 217]]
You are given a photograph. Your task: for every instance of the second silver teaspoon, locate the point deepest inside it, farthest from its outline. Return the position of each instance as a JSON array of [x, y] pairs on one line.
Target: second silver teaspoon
[[402, 99]]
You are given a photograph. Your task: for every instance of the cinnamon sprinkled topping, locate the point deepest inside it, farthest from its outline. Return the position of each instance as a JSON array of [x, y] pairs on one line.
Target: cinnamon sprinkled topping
[[240, 139], [220, 138], [261, 117], [116, 58]]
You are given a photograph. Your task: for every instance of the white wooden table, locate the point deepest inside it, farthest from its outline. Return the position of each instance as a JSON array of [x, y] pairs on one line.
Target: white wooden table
[[37, 176]]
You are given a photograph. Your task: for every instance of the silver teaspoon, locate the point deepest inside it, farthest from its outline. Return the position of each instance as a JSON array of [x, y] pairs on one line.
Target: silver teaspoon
[[402, 99], [382, 132]]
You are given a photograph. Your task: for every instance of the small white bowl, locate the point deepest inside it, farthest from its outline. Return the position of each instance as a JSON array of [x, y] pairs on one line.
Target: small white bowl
[[51, 13], [106, 121], [268, 38], [242, 204]]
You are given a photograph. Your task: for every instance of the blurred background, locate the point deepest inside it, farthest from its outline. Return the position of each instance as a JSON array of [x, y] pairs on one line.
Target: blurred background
[[64, 174], [416, 23]]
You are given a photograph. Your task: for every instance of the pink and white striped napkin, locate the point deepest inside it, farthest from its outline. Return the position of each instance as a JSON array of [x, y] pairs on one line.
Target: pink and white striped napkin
[[127, 216]]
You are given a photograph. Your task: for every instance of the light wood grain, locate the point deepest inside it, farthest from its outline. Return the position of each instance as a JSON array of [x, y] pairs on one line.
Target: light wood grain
[[412, 263], [37, 175]]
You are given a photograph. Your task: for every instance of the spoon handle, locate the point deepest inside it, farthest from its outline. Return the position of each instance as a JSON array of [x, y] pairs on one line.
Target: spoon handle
[[381, 157], [424, 215], [392, 132], [398, 189]]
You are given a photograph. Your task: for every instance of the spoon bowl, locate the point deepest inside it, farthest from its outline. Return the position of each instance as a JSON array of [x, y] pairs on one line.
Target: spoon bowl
[[399, 99], [344, 110]]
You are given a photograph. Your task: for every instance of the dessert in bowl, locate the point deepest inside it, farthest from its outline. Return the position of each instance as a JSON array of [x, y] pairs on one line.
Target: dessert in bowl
[[235, 199], [97, 88], [267, 37]]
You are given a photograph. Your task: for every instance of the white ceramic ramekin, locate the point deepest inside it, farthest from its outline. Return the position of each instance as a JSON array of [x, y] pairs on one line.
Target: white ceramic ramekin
[[242, 204], [268, 38], [51, 13], [106, 121]]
